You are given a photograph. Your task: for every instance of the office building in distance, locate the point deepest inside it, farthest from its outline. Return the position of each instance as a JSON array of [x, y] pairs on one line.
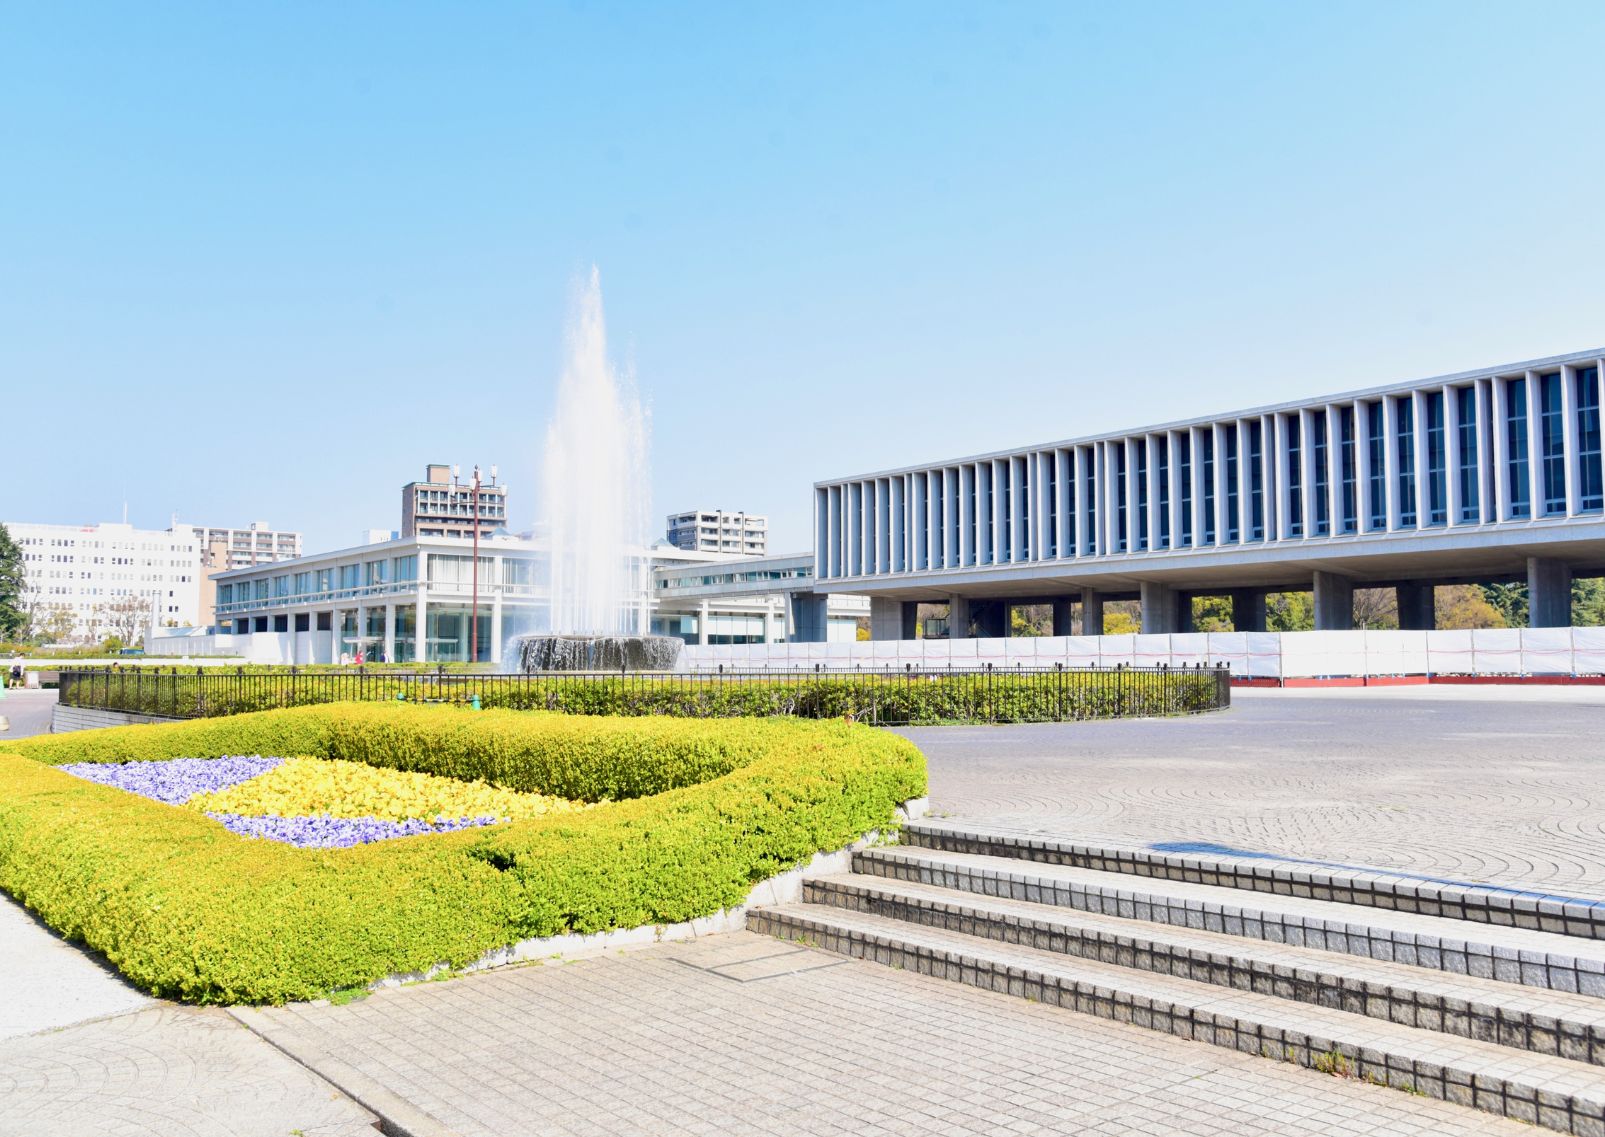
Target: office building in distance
[[112, 578]]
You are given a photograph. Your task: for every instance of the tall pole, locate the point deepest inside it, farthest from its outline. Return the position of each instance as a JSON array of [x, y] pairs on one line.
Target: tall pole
[[473, 619]]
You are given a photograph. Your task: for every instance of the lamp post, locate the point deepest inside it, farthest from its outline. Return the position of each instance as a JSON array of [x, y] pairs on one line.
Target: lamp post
[[473, 618]]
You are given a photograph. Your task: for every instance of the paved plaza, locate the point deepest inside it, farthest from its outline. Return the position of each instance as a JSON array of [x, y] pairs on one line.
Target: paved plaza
[[745, 1035], [1474, 783]]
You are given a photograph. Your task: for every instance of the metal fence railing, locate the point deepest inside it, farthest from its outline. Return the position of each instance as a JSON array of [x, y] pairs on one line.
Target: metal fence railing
[[889, 697]]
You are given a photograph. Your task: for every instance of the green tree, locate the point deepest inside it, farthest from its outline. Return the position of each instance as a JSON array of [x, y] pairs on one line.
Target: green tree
[[1212, 613], [1290, 612], [1464, 606], [1509, 600], [1030, 620], [12, 615], [1120, 618]]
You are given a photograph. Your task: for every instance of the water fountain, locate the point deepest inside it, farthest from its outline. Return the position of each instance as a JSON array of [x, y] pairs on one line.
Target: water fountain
[[594, 497]]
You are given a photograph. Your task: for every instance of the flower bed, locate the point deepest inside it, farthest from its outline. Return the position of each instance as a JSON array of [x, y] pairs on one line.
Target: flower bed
[[685, 817], [319, 802]]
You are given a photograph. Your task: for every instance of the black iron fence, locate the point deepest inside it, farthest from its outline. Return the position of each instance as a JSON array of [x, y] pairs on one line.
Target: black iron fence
[[891, 697]]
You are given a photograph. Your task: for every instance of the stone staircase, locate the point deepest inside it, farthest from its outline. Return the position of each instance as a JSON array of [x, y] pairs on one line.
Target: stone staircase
[[1487, 996]]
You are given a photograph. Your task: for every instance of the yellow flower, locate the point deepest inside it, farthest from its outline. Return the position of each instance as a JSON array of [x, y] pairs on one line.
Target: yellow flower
[[304, 787]]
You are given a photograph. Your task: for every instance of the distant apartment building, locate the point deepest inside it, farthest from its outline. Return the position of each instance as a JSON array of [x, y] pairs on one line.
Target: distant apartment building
[[442, 505], [716, 531], [256, 544], [224, 549], [112, 578]]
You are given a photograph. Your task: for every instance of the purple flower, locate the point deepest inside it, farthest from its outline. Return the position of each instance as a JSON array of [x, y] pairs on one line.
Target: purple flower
[[174, 780], [338, 832]]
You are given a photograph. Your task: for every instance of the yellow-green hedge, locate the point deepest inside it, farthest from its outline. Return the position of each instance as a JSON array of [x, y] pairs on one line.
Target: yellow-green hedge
[[695, 813]]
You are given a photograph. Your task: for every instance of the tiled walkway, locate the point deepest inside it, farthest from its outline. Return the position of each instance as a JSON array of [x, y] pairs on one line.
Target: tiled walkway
[[745, 1035]]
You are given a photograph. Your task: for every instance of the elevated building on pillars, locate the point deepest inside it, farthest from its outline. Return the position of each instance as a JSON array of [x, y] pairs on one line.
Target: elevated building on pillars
[[1482, 476]]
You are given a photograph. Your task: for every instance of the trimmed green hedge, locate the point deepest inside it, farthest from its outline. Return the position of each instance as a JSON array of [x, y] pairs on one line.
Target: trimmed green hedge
[[951, 698], [694, 814]]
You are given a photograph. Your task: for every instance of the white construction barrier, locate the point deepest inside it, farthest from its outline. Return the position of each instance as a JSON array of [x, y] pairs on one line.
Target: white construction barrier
[[1255, 655]]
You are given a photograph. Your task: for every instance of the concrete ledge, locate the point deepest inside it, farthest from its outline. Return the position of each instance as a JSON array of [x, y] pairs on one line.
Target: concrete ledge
[[65, 719]]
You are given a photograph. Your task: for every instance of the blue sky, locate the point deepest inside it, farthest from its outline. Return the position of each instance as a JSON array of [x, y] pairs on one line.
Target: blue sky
[[266, 261]]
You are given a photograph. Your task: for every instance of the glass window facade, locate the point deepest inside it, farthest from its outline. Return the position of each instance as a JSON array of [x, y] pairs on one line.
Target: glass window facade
[[1470, 487], [1552, 443], [1142, 495], [1119, 452], [1405, 416], [1376, 498], [1256, 480], [1295, 478], [1437, 461], [1590, 490], [1089, 458], [1320, 474], [1162, 467], [1206, 471], [1350, 471], [1184, 484], [1234, 518], [1516, 470]]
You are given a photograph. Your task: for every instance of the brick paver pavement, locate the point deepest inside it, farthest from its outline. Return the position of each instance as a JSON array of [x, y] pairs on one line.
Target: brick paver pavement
[[745, 1035], [165, 1072], [1505, 786]]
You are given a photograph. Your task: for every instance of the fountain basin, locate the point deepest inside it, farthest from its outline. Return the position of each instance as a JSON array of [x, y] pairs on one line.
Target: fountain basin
[[548, 652]]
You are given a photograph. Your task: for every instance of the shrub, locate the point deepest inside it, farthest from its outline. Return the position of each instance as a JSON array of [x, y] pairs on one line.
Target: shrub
[[698, 813]]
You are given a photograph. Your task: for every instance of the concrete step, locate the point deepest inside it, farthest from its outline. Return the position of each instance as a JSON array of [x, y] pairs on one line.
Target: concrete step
[[1507, 954], [1544, 1022], [1517, 906], [1554, 1092]]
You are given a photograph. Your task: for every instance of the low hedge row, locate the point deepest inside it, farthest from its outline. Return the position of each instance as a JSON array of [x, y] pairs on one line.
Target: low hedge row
[[995, 697], [695, 813]]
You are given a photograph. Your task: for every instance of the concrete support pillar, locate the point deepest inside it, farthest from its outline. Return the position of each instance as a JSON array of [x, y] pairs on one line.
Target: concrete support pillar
[[494, 649], [1063, 618], [809, 617], [958, 618], [420, 627], [886, 619], [1160, 609], [1549, 593], [1248, 611], [1091, 613], [768, 619], [1415, 607], [390, 633], [1334, 602], [702, 623]]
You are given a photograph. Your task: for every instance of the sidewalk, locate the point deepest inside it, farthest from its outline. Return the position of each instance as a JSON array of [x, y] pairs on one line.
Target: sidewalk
[[744, 1035], [82, 1052]]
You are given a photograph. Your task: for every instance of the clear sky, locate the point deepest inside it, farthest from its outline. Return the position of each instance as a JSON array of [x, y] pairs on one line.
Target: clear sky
[[266, 261]]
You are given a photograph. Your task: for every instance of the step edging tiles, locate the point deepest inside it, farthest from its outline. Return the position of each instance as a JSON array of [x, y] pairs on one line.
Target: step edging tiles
[[1537, 1030], [1558, 1101], [1468, 957], [1532, 909]]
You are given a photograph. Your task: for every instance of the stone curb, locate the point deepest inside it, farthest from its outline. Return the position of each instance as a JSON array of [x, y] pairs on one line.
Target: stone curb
[[397, 1116]]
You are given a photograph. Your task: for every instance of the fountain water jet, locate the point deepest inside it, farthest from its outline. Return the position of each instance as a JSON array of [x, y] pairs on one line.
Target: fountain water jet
[[595, 497]]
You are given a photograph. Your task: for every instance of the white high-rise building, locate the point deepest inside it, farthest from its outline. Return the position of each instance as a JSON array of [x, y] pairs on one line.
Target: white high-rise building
[[719, 531], [113, 579]]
